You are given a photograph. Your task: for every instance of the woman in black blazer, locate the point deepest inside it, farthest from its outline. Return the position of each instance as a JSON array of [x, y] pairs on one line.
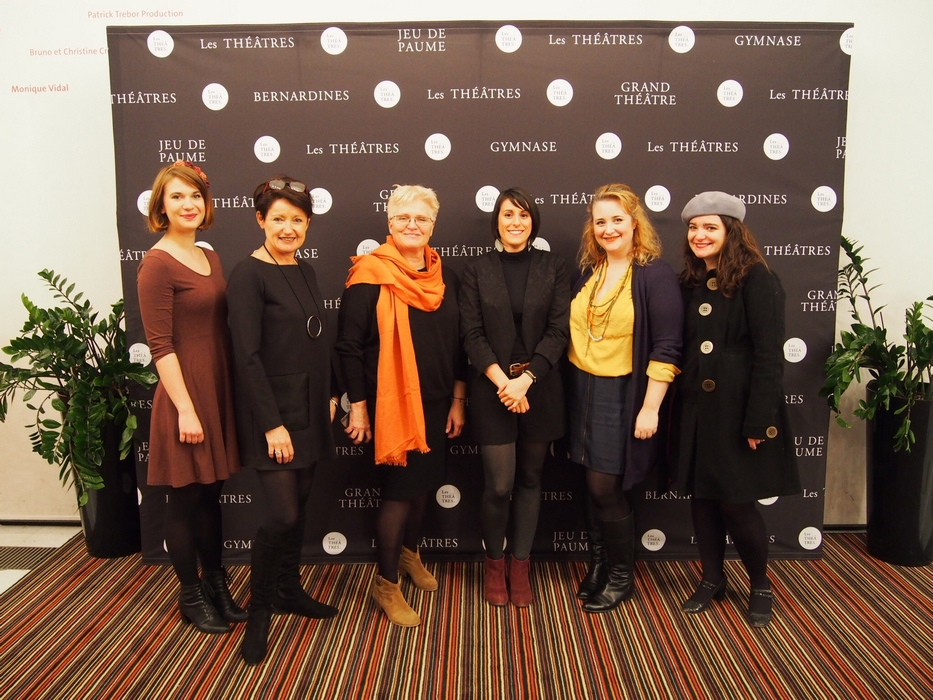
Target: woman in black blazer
[[514, 310], [284, 401]]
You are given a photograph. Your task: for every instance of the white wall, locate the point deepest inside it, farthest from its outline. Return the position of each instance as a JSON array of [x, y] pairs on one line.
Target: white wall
[[57, 184]]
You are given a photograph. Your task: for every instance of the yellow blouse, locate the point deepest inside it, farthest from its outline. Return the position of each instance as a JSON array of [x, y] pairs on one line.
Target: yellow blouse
[[611, 356]]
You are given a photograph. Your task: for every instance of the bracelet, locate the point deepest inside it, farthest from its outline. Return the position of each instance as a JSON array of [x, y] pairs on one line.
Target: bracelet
[[334, 401], [534, 379]]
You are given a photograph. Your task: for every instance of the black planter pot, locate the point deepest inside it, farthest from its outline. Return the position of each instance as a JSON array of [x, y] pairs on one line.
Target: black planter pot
[[110, 518], [900, 488]]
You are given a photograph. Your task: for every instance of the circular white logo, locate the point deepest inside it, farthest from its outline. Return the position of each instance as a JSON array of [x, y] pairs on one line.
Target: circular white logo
[[768, 501], [334, 40], [560, 92], [608, 146], [345, 400], [541, 244], [437, 146], [505, 543], [321, 201], [387, 94], [267, 149], [508, 38], [776, 146], [160, 43], [657, 198], [486, 197], [681, 39], [142, 202], [653, 540], [215, 96], [448, 496], [823, 198], [729, 93], [139, 352], [165, 545], [204, 244], [847, 40], [365, 248], [795, 350], [139, 496], [810, 538], [334, 542]]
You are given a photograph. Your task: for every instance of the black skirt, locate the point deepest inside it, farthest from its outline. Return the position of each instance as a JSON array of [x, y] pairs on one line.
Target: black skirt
[[426, 471], [491, 423]]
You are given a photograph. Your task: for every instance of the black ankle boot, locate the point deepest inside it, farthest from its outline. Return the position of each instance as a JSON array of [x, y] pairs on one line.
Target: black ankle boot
[[596, 573], [196, 607], [289, 596], [704, 594], [264, 567], [215, 585], [619, 538]]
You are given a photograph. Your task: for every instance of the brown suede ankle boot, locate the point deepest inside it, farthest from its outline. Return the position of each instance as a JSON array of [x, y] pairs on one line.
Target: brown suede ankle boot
[[388, 597], [519, 586], [410, 563]]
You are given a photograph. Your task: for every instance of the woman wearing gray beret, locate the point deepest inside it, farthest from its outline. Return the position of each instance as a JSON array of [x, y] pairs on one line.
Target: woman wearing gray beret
[[732, 443]]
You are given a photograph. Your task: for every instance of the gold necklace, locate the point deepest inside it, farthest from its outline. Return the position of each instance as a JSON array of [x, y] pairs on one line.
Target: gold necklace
[[591, 306]]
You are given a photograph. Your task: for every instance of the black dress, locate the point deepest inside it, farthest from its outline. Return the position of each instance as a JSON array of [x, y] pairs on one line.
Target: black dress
[[440, 363], [282, 374]]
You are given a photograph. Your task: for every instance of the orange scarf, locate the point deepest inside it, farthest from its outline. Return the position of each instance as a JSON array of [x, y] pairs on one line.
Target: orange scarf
[[399, 414]]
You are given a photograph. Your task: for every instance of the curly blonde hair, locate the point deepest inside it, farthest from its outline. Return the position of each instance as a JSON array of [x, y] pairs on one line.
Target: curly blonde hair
[[646, 244]]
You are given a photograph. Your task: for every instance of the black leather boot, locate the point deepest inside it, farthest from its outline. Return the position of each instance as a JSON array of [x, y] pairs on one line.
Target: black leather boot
[[264, 567], [215, 585], [596, 573], [619, 539], [289, 596], [196, 607]]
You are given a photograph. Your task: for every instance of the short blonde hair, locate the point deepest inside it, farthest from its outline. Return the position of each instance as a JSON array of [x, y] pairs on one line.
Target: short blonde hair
[[646, 243], [403, 195], [157, 220]]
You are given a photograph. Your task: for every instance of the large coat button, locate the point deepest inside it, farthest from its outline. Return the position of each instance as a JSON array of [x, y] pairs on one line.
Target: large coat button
[[712, 284], [706, 309], [708, 385], [772, 432], [706, 347]]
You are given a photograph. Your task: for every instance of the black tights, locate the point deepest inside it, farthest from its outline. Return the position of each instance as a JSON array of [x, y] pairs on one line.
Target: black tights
[[712, 520], [193, 529], [286, 492], [501, 464], [606, 496], [398, 523]]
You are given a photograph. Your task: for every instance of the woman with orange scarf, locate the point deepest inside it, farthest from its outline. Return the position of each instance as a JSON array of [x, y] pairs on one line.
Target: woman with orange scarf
[[399, 348]]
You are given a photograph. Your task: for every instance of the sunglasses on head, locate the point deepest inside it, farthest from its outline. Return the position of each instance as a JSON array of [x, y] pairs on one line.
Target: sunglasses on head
[[281, 185]]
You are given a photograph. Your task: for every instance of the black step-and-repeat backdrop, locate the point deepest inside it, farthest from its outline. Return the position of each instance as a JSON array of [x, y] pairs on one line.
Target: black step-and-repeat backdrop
[[470, 108]]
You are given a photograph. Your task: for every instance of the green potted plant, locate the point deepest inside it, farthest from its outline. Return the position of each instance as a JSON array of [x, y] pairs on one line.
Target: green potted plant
[[74, 371], [898, 401]]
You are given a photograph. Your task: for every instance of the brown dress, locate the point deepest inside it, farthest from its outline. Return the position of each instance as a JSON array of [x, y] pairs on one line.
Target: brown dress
[[185, 313]]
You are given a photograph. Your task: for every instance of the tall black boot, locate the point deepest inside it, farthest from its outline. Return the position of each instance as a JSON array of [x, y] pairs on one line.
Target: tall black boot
[[196, 607], [289, 596], [619, 538], [264, 568], [215, 585], [596, 573]]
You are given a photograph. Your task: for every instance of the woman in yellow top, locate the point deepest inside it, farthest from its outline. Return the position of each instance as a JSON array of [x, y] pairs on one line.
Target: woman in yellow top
[[626, 322]]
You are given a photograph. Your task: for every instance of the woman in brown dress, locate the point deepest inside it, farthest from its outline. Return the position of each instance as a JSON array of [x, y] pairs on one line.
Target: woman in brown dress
[[192, 443]]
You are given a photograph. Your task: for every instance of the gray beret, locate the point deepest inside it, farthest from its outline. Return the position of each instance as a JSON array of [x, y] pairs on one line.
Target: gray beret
[[714, 203]]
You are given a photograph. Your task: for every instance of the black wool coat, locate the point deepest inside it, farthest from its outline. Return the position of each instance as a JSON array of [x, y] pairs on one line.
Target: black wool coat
[[731, 390]]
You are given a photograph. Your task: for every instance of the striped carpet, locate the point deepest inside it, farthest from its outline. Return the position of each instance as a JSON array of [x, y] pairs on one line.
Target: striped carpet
[[847, 627]]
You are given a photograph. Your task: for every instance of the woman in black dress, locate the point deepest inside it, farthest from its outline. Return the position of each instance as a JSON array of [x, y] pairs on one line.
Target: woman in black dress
[[733, 443], [514, 310], [398, 330], [284, 404]]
